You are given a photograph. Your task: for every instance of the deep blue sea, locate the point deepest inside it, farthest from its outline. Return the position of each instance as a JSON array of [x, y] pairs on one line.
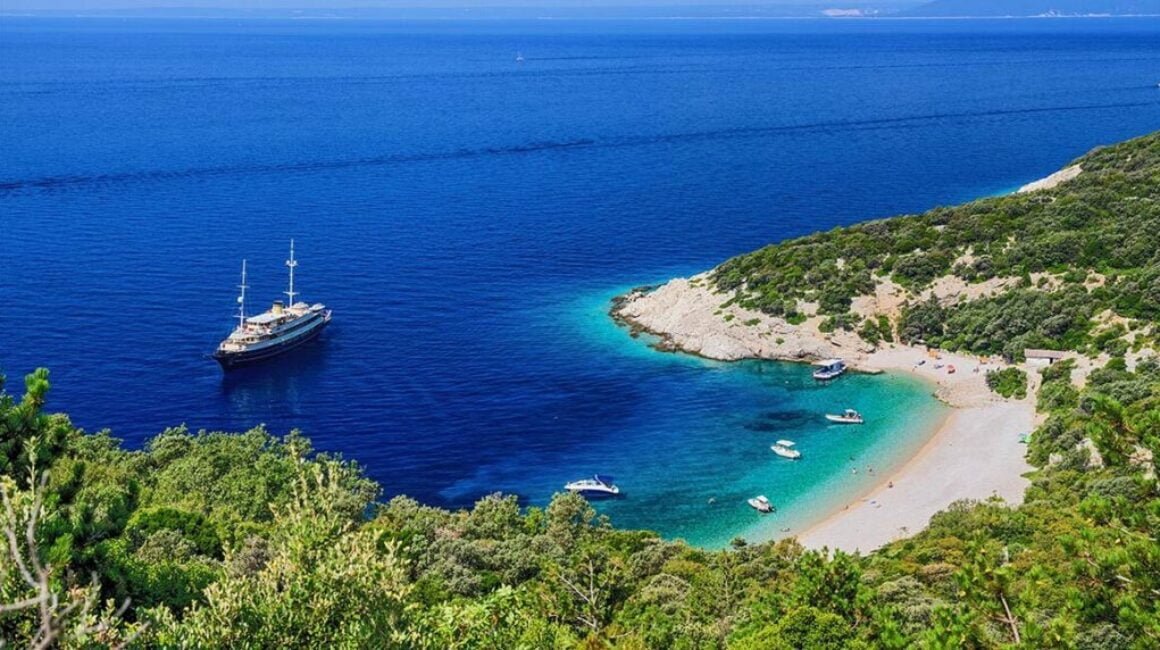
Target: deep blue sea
[[468, 218]]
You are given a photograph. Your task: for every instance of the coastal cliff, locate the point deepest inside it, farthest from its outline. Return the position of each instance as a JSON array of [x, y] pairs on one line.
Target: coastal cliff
[[690, 315]]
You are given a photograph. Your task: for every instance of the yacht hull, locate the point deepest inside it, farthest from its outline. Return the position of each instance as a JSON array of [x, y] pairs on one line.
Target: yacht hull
[[596, 494], [232, 360], [838, 419]]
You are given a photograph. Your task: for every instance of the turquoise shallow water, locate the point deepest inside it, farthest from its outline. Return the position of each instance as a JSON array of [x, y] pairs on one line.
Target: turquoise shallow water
[[700, 447]]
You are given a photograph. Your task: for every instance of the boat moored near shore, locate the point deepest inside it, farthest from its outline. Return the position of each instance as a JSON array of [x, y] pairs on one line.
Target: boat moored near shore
[[785, 449], [849, 416], [761, 504], [829, 369]]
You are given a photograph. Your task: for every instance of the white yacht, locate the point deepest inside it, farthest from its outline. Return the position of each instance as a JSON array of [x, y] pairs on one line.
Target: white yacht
[[784, 448], [849, 416], [761, 504], [283, 327], [597, 486], [829, 369]]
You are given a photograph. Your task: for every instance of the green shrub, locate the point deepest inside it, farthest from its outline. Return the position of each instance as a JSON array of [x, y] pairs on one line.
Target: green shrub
[[1008, 382], [193, 527], [876, 330]]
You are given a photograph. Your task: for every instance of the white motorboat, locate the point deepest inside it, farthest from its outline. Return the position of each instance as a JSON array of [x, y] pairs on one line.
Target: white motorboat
[[597, 486], [761, 504], [849, 416], [829, 369], [784, 448]]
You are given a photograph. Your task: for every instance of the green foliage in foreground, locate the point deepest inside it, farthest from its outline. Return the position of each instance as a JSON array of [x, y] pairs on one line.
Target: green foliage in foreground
[[249, 541], [1008, 382], [1106, 222]]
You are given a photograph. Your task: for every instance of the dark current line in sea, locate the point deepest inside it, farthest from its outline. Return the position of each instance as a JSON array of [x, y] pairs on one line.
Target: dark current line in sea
[[65, 181], [120, 85]]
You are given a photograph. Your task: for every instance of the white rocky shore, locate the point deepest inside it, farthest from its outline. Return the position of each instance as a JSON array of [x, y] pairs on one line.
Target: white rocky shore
[[1062, 176], [689, 315]]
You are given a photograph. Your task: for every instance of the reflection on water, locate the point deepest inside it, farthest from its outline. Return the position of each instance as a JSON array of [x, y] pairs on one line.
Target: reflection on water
[[253, 390]]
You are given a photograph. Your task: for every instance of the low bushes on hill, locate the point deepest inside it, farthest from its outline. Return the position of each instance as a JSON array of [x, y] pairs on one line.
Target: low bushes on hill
[[1008, 382]]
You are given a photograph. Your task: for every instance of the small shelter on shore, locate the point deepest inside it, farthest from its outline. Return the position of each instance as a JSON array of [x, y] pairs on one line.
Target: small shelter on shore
[[1051, 356]]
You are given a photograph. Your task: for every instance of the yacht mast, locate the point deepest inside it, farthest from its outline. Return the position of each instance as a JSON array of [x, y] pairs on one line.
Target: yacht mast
[[291, 263], [242, 297]]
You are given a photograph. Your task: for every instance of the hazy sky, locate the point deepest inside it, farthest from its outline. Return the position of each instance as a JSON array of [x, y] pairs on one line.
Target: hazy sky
[[24, 5]]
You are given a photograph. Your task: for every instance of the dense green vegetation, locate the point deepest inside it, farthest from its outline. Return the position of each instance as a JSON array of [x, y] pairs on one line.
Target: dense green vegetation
[[1093, 242], [246, 540], [249, 541], [212, 540]]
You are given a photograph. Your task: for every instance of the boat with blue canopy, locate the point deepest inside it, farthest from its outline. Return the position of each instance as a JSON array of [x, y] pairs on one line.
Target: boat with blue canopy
[[829, 369]]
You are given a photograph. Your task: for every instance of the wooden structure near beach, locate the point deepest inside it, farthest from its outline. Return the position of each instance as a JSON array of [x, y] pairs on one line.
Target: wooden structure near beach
[[1050, 355]]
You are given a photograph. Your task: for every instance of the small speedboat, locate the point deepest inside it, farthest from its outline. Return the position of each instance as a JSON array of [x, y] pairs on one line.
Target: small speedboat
[[761, 504], [829, 369], [597, 486], [849, 416], [784, 448]]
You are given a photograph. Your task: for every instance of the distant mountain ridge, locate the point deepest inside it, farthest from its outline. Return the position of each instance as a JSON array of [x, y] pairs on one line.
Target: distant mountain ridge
[[501, 9], [598, 9], [1027, 8]]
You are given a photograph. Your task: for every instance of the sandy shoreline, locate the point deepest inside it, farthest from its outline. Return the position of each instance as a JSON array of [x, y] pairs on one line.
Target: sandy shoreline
[[975, 452]]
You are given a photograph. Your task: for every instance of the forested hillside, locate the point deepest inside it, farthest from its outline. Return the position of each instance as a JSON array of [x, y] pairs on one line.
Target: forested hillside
[[213, 540], [1082, 259]]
